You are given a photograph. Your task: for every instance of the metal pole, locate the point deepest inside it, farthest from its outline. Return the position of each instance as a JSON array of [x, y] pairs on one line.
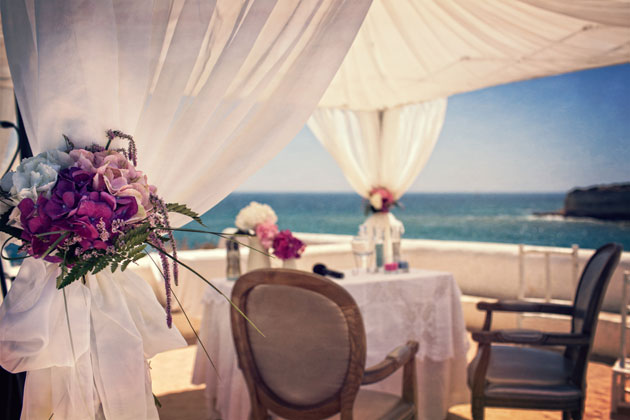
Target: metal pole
[[12, 385], [25, 147], [574, 253], [3, 283], [624, 317], [547, 278], [521, 282]]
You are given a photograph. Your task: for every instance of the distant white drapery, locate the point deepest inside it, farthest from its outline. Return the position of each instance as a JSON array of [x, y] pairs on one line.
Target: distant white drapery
[[210, 90], [380, 148]]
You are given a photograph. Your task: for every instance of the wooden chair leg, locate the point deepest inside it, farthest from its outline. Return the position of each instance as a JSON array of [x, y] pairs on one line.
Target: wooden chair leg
[[410, 385], [576, 415], [257, 411], [566, 415], [477, 409]]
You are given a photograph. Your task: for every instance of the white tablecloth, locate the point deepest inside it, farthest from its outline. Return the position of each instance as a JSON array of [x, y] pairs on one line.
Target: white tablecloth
[[421, 305]]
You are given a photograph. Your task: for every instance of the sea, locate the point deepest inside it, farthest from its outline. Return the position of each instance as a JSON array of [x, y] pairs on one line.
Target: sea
[[484, 217]]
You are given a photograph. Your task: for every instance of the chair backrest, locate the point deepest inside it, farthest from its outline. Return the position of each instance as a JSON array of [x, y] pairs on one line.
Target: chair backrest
[[588, 300], [310, 361]]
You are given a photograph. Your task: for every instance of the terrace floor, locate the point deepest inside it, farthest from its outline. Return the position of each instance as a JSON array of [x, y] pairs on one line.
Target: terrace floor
[[171, 373]]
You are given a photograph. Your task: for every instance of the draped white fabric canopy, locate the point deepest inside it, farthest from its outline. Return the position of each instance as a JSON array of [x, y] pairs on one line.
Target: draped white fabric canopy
[[210, 90], [8, 137], [410, 51], [385, 148]]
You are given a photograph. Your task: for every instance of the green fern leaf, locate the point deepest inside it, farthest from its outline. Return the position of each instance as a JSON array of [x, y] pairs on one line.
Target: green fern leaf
[[134, 237], [183, 209], [101, 264], [79, 270]]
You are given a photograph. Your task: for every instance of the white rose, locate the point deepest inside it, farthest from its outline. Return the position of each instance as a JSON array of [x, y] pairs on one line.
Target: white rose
[[35, 176], [254, 214], [376, 201]]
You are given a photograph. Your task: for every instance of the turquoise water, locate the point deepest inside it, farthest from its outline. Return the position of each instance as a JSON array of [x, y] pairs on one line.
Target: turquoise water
[[506, 218]]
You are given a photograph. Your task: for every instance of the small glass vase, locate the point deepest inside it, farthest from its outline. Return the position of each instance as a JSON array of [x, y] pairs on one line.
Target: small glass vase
[[290, 263], [233, 260], [258, 257]]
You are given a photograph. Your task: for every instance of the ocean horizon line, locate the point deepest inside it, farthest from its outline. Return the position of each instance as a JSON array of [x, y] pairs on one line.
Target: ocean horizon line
[[409, 192], [500, 217]]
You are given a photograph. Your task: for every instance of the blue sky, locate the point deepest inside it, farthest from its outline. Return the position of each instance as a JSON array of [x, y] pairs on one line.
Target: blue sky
[[543, 135]]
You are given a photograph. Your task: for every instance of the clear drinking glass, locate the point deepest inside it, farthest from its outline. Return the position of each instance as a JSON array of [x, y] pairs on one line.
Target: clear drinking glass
[[396, 236], [363, 249]]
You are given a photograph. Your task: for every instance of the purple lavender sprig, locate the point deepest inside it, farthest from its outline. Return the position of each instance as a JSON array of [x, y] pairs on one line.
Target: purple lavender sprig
[[132, 151], [161, 209], [157, 244]]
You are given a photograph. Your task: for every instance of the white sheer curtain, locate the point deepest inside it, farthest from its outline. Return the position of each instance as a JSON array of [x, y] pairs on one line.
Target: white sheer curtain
[[385, 148], [606, 12], [8, 137], [211, 90]]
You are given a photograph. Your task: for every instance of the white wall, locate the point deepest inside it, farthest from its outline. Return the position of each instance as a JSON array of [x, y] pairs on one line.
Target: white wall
[[482, 270]]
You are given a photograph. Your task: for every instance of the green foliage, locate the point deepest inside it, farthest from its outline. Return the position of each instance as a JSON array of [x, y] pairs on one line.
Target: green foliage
[[129, 248], [183, 209], [69, 145], [79, 270], [134, 237]]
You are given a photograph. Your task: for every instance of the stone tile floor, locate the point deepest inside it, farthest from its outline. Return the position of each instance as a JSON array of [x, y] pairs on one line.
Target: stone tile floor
[[171, 372]]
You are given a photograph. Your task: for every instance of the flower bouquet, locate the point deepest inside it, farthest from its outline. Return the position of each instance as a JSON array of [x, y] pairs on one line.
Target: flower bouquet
[[287, 247], [380, 200], [88, 209], [259, 221], [84, 215]]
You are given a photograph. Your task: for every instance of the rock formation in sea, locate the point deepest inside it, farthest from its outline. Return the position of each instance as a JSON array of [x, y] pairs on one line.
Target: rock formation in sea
[[608, 202]]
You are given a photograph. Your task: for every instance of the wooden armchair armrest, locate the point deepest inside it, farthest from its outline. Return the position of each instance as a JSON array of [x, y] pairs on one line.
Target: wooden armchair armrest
[[524, 306], [530, 337], [392, 362], [521, 306]]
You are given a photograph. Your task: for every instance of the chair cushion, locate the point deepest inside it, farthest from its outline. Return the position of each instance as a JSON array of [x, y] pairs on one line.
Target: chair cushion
[[527, 373], [374, 405], [303, 357]]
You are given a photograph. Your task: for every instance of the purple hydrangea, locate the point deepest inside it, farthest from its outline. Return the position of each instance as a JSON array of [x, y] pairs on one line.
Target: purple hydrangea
[[75, 208]]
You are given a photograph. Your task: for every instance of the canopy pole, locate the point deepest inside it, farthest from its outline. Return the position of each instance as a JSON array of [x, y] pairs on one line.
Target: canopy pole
[[12, 384]]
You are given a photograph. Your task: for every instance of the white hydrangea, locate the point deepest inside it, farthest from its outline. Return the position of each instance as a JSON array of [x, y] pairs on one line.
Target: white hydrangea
[[35, 176], [254, 214]]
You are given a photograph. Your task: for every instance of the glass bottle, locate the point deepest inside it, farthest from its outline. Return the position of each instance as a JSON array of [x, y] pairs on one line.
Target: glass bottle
[[233, 270], [378, 248], [396, 236]]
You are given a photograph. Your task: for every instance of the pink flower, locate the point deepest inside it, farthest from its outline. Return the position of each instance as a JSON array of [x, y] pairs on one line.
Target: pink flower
[[266, 232], [115, 174], [381, 199], [286, 246]]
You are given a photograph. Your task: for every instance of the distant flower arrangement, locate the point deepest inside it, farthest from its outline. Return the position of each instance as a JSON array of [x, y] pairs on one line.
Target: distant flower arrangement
[[266, 232], [380, 200], [88, 209], [258, 220], [253, 215], [286, 246]]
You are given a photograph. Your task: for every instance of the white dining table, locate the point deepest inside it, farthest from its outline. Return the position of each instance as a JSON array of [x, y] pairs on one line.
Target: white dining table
[[421, 305]]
